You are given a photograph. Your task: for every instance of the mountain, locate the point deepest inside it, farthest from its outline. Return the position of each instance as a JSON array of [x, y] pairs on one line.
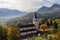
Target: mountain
[[43, 12], [53, 11], [28, 18], [31, 15], [6, 14], [42, 9], [55, 6]]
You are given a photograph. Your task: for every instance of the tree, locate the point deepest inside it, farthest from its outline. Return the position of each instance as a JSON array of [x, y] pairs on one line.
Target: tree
[[43, 27], [55, 25], [47, 23], [51, 23], [59, 26], [18, 24], [43, 21], [13, 33], [50, 38], [5, 31], [44, 30], [55, 36], [1, 32]]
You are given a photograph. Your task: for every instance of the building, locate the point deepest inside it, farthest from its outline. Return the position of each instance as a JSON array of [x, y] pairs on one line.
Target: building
[[29, 30], [35, 21]]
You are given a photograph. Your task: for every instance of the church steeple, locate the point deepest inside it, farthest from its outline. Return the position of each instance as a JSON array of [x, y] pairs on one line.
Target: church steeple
[[35, 20], [35, 15]]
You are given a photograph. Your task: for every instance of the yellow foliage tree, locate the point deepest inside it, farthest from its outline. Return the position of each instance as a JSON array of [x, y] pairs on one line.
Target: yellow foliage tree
[[43, 27], [55, 36], [13, 33], [5, 30]]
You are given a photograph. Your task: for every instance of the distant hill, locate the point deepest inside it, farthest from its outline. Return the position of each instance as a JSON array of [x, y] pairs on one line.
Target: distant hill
[[28, 18], [53, 11], [6, 14], [42, 9]]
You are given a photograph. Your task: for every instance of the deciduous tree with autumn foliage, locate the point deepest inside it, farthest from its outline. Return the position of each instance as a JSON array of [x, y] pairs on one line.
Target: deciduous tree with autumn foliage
[[13, 33]]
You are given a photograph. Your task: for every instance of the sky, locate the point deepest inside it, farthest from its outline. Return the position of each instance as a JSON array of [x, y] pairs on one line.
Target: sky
[[27, 5]]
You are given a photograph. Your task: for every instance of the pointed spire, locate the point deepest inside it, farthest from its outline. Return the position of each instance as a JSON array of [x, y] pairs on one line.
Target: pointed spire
[[35, 15]]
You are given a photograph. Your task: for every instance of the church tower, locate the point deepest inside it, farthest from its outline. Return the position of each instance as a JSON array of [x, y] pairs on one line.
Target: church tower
[[35, 20]]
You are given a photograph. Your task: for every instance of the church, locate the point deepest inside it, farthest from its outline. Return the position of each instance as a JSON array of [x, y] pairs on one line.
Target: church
[[29, 30]]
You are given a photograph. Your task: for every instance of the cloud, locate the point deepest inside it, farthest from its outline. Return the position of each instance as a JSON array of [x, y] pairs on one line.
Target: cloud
[[26, 5], [23, 5], [48, 3], [54, 1]]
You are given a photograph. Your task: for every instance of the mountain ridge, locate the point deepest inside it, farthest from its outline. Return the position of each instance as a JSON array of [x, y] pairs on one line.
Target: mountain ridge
[[53, 11], [42, 9]]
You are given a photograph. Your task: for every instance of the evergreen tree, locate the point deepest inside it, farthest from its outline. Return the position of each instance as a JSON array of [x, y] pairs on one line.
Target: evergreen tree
[[51, 22], [47, 23], [1, 32], [43, 21], [2, 36], [55, 25], [50, 38]]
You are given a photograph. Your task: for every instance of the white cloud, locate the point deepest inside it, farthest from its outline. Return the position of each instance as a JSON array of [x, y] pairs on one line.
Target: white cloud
[[54, 1], [38, 1], [48, 4], [25, 5]]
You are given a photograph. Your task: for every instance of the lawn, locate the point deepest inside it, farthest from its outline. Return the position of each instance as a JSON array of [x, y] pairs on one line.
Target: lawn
[[41, 37]]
